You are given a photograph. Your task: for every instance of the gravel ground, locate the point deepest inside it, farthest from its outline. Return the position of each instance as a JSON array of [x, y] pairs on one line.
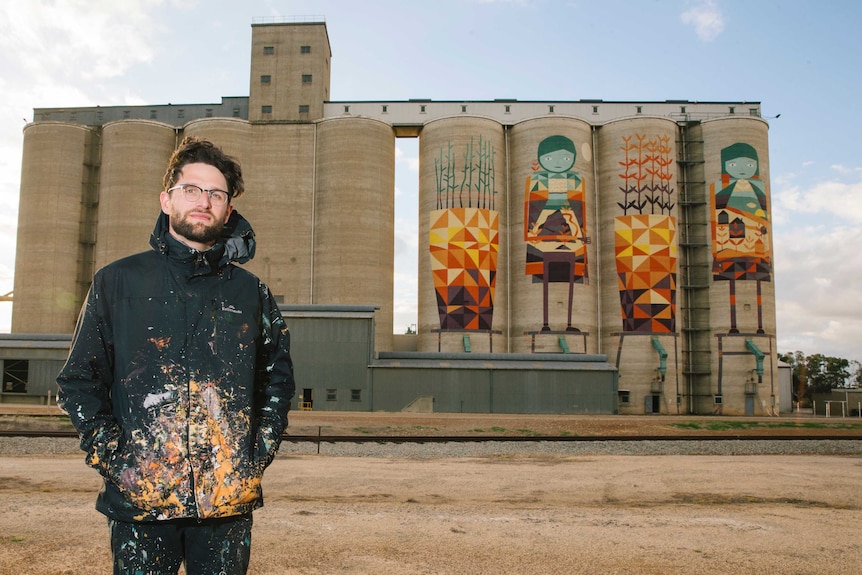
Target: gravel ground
[[658, 507], [51, 446]]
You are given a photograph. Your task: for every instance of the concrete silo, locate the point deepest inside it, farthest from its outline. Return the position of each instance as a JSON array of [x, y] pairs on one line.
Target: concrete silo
[[551, 230], [278, 168], [353, 218], [56, 215], [232, 135], [462, 301], [134, 156], [741, 292], [638, 247]]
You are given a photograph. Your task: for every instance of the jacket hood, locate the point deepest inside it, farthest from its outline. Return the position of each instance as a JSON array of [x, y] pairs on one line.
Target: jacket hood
[[236, 244]]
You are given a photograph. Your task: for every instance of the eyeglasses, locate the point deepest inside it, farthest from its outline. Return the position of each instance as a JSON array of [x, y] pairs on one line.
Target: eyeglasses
[[192, 193]]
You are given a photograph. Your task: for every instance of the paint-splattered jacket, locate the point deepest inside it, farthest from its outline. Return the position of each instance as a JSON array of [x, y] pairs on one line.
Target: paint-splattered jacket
[[179, 380]]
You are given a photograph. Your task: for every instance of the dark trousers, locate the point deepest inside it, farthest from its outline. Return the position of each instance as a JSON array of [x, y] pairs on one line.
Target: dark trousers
[[208, 547]]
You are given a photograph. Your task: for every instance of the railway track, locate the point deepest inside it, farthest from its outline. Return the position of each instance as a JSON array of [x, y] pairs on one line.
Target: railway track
[[490, 438]]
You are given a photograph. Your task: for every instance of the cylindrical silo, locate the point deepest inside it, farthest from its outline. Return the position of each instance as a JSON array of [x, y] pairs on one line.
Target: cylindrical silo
[[58, 179], [553, 304], [638, 246], [232, 135], [135, 154], [741, 291], [354, 230], [462, 263], [278, 169]]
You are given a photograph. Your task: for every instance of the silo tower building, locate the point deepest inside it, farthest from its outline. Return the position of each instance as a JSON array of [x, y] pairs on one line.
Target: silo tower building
[[637, 230]]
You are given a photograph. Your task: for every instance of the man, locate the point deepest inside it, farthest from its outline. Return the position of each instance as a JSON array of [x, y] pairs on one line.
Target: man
[[179, 380]]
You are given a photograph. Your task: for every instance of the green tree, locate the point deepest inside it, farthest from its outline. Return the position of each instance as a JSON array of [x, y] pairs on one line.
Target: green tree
[[856, 370], [799, 374], [826, 373]]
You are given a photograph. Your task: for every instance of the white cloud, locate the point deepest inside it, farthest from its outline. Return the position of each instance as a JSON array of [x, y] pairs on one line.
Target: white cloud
[[61, 53], [706, 18], [839, 200], [818, 282], [69, 40]]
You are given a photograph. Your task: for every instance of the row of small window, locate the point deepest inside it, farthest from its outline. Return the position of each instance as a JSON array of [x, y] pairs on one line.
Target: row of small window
[[267, 79], [154, 114], [303, 109], [508, 107], [270, 50], [332, 395]]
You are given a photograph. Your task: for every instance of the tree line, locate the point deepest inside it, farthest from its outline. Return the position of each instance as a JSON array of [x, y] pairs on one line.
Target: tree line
[[819, 373]]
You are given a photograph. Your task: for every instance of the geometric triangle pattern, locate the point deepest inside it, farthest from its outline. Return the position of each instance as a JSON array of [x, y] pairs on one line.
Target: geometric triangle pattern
[[646, 258], [464, 245], [741, 247]]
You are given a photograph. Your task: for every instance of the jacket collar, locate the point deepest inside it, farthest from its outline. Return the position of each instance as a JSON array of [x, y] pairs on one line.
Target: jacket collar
[[237, 244]]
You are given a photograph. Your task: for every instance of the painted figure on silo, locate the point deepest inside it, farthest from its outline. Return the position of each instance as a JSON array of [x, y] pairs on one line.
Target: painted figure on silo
[[740, 226], [555, 222]]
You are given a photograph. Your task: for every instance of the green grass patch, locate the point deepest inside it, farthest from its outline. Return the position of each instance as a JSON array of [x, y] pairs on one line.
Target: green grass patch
[[494, 429], [755, 425]]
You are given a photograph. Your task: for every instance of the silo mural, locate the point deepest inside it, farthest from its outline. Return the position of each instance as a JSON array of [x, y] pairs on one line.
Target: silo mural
[[645, 235], [461, 183], [553, 306], [464, 236], [740, 226], [742, 295], [639, 247], [555, 223]]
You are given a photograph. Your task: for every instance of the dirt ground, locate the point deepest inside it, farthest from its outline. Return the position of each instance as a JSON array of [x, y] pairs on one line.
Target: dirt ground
[[489, 514]]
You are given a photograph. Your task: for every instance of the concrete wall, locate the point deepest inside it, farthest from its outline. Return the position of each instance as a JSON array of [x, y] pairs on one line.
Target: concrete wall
[[277, 53]]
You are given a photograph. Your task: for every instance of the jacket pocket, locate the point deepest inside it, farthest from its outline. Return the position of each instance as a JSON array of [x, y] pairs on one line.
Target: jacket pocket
[[150, 482]]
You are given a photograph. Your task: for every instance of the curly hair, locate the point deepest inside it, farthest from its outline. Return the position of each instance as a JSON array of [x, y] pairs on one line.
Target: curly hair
[[197, 150]]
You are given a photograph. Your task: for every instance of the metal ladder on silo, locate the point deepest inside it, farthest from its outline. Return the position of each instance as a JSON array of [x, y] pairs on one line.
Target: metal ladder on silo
[[695, 270]]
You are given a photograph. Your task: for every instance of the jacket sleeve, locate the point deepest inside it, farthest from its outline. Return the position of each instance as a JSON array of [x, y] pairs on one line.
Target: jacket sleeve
[[85, 384], [275, 383]]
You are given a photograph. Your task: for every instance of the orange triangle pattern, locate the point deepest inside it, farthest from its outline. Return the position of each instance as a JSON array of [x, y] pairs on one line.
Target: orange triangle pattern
[[646, 260], [464, 244]]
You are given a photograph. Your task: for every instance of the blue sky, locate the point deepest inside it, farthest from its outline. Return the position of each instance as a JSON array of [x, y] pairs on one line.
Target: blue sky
[[798, 58]]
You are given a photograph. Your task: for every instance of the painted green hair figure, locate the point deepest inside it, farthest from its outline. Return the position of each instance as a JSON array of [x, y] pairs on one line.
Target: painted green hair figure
[[740, 226], [555, 222]]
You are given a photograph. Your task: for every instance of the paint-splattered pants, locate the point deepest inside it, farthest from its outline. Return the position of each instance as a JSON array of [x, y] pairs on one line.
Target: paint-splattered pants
[[209, 547]]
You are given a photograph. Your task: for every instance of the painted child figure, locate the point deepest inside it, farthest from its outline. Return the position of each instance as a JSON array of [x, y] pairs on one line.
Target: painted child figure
[[555, 222], [740, 226]]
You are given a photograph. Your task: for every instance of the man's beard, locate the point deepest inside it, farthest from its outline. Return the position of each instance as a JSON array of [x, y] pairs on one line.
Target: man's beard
[[197, 232]]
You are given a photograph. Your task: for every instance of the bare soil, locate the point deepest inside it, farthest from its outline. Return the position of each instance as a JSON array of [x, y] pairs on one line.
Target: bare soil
[[490, 514]]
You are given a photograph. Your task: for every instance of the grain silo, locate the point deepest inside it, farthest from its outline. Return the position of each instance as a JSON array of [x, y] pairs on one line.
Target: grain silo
[[232, 135], [462, 264], [549, 233], [353, 217], [278, 168], [638, 247], [742, 292], [56, 226], [551, 226], [134, 156]]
